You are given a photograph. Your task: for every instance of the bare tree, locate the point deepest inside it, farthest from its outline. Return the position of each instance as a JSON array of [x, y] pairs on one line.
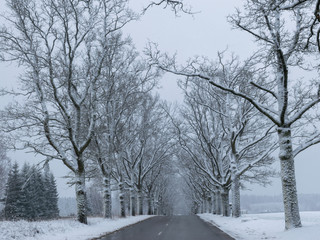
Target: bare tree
[[126, 79], [267, 21], [61, 46], [149, 148], [224, 138], [175, 5]]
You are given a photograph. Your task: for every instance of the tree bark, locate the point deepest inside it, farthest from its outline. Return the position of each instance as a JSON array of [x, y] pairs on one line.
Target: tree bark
[[288, 179], [121, 200], [81, 197], [156, 208], [225, 202], [218, 202], [214, 203], [140, 202], [205, 205], [106, 198], [209, 205], [235, 187], [150, 205], [132, 203]]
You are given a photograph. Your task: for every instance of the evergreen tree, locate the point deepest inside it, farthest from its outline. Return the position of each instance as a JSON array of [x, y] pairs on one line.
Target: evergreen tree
[[51, 194], [13, 200], [26, 193], [40, 204], [30, 194]]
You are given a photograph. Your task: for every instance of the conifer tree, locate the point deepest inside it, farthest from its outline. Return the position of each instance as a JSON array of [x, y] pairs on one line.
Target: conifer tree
[[50, 193], [25, 193], [31, 195], [52, 198], [13, 203]]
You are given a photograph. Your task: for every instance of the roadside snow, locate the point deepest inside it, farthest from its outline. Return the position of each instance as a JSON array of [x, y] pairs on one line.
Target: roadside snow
[[63, 229], [266, 226]]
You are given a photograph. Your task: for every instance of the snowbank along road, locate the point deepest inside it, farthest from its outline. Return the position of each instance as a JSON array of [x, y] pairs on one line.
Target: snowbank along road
[[170, 228]]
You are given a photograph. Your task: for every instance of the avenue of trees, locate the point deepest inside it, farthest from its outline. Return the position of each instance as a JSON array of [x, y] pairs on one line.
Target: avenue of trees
[[279, 98], [86, 98]]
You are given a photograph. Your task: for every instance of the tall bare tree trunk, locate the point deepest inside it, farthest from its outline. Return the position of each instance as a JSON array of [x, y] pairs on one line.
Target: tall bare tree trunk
[[288, 179], [214, 203], [225, 202], [140, 202], [132, 202], [209, 205], [121, 199], [106, 197], [218, 202], [81, 197], [156, 208], [150, 204], [235, 188]]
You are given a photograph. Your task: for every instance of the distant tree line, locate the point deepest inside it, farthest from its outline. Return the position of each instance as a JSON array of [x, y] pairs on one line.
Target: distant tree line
[[31, 194]]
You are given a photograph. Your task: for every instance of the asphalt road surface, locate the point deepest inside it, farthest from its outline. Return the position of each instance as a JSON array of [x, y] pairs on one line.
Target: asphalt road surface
[[170, 228]]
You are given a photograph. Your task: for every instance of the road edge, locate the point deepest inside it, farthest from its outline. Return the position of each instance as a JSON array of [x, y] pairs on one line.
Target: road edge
[[212, 223], [111, 232]]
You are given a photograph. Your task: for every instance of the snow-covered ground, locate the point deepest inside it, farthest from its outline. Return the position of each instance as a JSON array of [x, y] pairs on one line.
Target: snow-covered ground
[[266, 226], [64, 229]]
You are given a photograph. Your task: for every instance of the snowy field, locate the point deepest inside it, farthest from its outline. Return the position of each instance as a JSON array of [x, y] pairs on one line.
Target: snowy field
[[266, 226], [64, 229]]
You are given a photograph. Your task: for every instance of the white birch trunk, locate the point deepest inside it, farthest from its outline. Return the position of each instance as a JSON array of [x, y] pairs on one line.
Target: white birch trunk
[[288, 179]]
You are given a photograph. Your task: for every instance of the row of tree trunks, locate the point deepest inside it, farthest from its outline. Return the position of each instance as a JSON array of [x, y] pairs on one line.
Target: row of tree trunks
[[135, 204], [218, 203]]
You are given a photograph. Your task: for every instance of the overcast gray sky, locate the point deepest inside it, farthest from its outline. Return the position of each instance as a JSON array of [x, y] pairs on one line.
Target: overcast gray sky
[[204, 33]]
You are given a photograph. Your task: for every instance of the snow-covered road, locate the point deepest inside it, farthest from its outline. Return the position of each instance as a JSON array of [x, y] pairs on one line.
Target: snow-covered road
[[170, 228]]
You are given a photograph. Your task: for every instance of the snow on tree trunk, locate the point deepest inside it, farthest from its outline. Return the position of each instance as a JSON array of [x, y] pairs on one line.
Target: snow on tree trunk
[[225, 202], [81, 197], [106, 198], [121, 200], [235, 187], [140, 202], [132, 203], [288, 179]]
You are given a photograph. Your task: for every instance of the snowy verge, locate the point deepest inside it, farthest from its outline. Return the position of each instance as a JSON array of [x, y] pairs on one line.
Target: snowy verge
[[64, 229], [266, 226]]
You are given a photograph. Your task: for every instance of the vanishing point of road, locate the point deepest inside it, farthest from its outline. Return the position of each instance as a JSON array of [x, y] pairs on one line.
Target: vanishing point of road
[[170, 228]]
